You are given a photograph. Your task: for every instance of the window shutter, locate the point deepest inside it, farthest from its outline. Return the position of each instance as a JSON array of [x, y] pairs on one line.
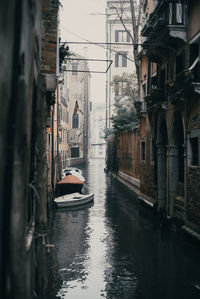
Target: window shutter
[[116, 60], [124, 60], [128, 37], [116, 36]]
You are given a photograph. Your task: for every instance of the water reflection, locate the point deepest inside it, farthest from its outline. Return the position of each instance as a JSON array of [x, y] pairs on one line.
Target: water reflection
[[117, 248]]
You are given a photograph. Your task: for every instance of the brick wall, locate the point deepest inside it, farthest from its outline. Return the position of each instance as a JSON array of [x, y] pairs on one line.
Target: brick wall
[[129, 154], [193, 197], [49, 39]]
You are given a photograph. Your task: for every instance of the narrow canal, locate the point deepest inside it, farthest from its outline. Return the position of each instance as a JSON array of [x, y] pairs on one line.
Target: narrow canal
[[118, 248]]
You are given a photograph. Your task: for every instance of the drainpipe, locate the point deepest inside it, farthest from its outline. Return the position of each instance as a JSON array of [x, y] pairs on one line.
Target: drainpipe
[[52, 151], [168, 197], [109, 97], [106, 126], [58, 172], [185, 176]]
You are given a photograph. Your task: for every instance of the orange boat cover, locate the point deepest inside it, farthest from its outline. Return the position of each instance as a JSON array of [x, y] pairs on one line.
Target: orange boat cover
[[70, 179]]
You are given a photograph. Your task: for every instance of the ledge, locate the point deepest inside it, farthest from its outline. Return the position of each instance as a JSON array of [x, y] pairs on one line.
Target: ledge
[[147, 200], [191, 232], [129, 179], [134, 185]]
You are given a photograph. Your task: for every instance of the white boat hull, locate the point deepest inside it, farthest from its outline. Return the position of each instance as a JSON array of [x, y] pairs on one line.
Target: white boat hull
[[73, 200]]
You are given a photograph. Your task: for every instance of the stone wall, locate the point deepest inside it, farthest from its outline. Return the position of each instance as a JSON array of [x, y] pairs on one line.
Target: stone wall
[[193, 198]]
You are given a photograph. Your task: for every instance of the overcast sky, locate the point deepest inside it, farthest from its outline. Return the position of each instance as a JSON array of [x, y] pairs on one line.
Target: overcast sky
[[85, 19]]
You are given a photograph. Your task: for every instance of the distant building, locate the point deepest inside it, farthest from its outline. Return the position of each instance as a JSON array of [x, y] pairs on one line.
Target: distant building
[[76, 133], [98, 143], [63, 120], [120, 51]]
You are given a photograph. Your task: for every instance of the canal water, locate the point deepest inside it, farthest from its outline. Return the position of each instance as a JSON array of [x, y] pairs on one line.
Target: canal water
[[119, 248]]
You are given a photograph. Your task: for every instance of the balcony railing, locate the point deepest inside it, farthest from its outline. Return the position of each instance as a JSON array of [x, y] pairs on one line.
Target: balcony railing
[[155, 98], [186, 82], [140, 106]]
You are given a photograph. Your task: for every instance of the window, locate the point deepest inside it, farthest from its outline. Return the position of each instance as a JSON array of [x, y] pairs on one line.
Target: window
[[143, 90], [122, 36], [121, 59], [143, 156], [180, 61], [194, 142], [74, 69], [163, 77], [154, 81], [74, 152], [75, 121], [176, 13], [152, 150], [155, 3], [121, 88]]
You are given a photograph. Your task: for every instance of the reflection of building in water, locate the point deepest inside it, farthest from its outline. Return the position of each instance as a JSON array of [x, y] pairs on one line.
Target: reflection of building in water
[[70, 239], [98, 144]]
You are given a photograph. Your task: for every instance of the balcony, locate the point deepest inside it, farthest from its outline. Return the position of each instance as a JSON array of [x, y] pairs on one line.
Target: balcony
[[165, 26], [140, 107], [155, 99], [186, 83]]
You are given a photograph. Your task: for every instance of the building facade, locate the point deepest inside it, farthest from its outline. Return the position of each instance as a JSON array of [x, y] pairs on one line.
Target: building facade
[[160, 160], [63, 120], [28, 39], [98, 143], [170, 89], [76, 134], [119, 50]]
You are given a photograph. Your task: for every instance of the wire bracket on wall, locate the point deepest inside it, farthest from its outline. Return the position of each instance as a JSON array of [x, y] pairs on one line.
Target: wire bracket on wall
[[89, 59]]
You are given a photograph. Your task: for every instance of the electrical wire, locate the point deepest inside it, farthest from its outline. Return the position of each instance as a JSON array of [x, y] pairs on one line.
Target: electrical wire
[[98, 44]]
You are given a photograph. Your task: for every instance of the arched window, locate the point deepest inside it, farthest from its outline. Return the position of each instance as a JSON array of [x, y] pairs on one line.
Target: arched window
[[75, 121]]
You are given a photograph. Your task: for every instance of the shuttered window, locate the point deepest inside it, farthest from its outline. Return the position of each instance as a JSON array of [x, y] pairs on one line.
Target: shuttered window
[[121, 36], [121, 59]]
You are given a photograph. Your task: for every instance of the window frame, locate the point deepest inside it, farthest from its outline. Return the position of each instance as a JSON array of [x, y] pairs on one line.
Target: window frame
[[194, 134], [174, 8], [73, 155], [75, 121], [122, 36]]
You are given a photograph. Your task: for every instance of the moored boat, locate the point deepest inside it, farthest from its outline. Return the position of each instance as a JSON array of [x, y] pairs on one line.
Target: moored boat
[[73, 200], [74, 171], [69, 184]]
